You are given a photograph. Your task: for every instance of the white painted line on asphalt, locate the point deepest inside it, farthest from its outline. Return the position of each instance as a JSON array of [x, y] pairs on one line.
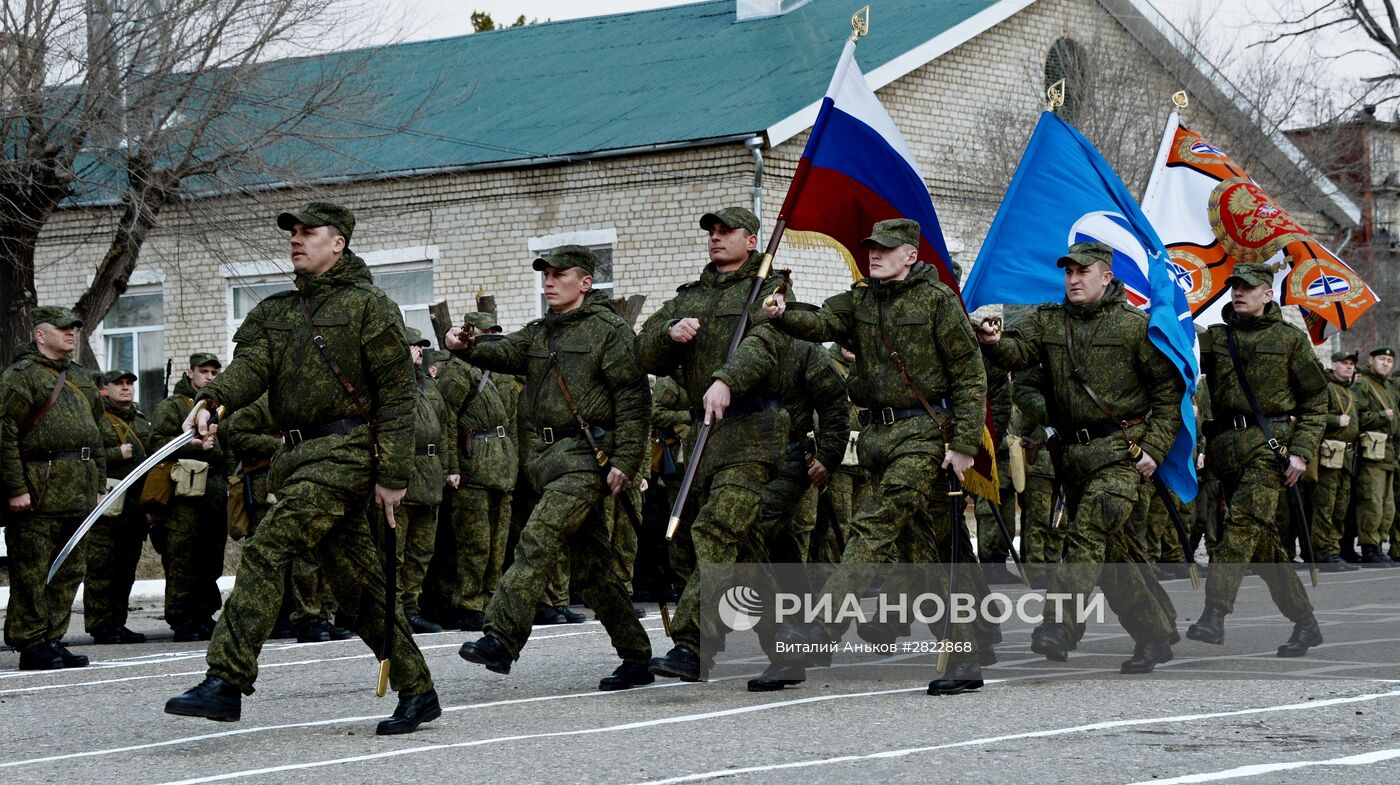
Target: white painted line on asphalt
[[989, 740], [1258, 769]]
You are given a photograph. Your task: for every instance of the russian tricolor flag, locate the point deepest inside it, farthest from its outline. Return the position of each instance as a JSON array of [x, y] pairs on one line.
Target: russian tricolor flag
[[856, 170]]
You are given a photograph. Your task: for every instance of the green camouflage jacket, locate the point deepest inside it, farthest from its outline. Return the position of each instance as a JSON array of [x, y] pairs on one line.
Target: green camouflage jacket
[[928, 328], [125, 426], [363, 329], [670, 427], [1375, 394], [431, 425], [717, 299], [1133, 379], [170, 415], [1286, 378], [815, 395], [63, 487], [252, 438], [1341, 399], [482, 461], [594, 349]]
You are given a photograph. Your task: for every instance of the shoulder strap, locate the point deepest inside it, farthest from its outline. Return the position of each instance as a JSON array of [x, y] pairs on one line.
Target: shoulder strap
[[1076, 372], [583, 427], [1278, 449], [125, 433], [48, 404], [335, 367], [943, 423], [468, 401]]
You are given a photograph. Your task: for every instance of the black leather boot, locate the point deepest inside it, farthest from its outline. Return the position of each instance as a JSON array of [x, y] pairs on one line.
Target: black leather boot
[[962, 676], [69, 659], [40, 657], [681, 662], [487, 650], [1305, 636], [212, 699], [422, 626], [1147, 656], [1210, 628], [627, 676], [412, 711], [778, 676], [1051, 640]]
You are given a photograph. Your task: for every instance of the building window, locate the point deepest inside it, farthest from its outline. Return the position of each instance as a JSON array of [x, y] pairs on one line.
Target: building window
[[599, 241], [1069, 61], [133, 337]]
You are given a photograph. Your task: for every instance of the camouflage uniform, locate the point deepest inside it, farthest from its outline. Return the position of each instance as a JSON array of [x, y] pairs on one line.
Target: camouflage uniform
[[434, 457], [1332, 493], [902, 447], [1291, 389], [670, 432], [746, 445], [1044, 543], [1375, 482], [593, 347], [60, 463], [992, 548], [193, 531], [837, 505], [483, 429], [325, 476], [1138, 386], [114, 543]]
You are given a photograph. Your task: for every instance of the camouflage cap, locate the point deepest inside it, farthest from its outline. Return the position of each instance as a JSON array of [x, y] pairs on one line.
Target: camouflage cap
[[415, 337], [1343, 356], [1251, 275], [733, 217], [435, 356], [57, 315], [314, 214], [482, 321], [1382, 351], [1086, 254], [205, 358], [893, 233], [117, 374], [566, 256]]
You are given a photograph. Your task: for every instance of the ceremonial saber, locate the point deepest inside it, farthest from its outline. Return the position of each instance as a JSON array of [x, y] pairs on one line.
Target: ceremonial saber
[[391, 604], [110, 498]]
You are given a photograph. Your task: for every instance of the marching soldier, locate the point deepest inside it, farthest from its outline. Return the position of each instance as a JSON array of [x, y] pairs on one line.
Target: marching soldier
[[54, 467], [434, 465], [1114, 400], [114, 544], [1332, 493], [1380, 430], [483, 427], [332, 357], [1044, 538], [587, 400], [194, 528], [1269, 399], [671, 437], [920, 382], [688, 339], [992, 549]]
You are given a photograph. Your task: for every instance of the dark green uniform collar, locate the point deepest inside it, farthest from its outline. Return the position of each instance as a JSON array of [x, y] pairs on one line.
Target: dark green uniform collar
[[348, 270], [749, 269], [1113, 296], [128, 414], [1272, 314], [31, 351]]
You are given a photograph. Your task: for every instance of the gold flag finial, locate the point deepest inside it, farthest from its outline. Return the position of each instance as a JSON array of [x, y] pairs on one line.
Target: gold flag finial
[[1055, 94], [1181, 99], [860, 23]]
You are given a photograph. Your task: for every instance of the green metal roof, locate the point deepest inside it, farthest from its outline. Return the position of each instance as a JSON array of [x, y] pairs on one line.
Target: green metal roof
[[575, 87]]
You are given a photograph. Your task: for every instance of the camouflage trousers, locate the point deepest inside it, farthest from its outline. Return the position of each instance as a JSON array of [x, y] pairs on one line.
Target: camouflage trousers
[[1161, 542], [481, 524], [192, 538], [1103, 546], [905, 519], [1375, 501], [836, 505], [789, 512], [310, 516], [569, 519], [113, 551], [991, 546], [1205, 513], [309, 597], [39, 613], [1044, 542], [1251, 536], [1331, 495], [414, 543]]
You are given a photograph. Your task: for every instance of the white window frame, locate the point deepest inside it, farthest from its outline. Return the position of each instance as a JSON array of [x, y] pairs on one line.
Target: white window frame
[[267, 271], [588, 238]]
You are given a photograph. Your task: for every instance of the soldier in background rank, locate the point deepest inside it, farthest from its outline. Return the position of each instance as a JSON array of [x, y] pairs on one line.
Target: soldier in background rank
[[1291, 391], [54, 468], [1332, 493], [1380, 431], [114, 544]]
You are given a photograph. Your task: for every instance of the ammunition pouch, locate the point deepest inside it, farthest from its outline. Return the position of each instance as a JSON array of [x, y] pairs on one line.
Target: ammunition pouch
[[191, 477], [1333, 454], [158, 489], [116, 508], [1373, 445]]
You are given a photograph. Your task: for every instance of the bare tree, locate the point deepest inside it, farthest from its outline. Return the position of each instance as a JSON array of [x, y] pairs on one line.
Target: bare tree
[[149, 105], [1377, 20]]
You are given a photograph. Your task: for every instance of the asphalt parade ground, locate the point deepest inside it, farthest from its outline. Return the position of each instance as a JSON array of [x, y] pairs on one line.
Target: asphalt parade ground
[[1232, 713]]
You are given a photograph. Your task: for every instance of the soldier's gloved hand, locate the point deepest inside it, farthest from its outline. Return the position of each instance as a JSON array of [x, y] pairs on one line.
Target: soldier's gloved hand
[[989, 331], [716, 401], [1201, 461], [960, 462], [388, 499], [617, 481], [684, 330], [127, 452], [20, 503], [455, 480], [1343, 420], [818, 473], [1296, 467], [777, 308], [1146, 466]]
